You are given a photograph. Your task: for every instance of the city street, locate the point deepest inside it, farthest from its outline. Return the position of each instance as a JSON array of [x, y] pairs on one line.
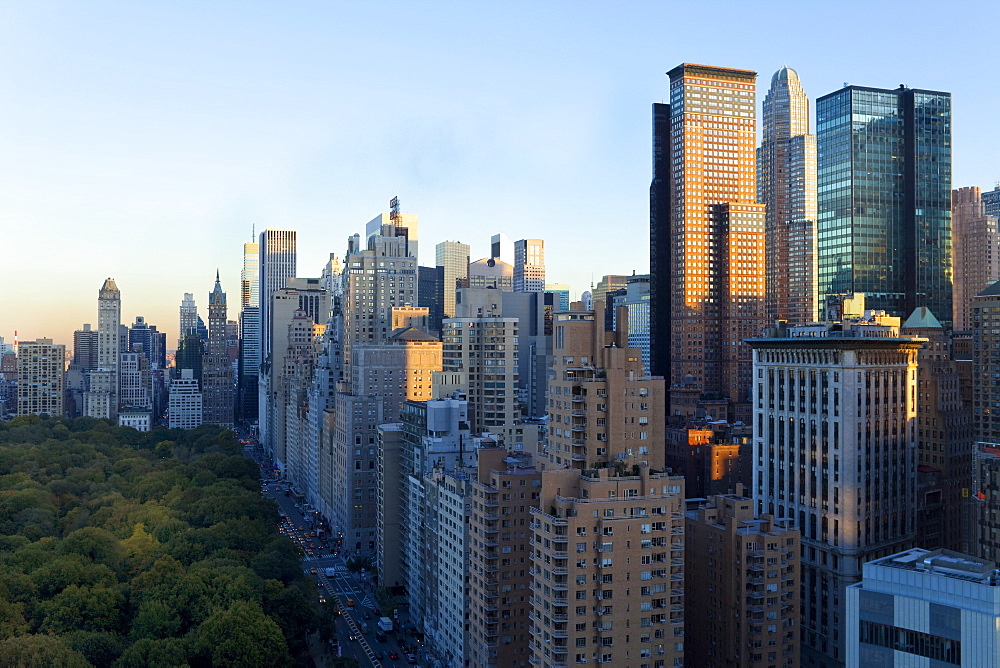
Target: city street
[[357, 626]]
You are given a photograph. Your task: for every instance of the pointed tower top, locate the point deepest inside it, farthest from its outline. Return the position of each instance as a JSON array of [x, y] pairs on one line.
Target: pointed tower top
[[109, 286]]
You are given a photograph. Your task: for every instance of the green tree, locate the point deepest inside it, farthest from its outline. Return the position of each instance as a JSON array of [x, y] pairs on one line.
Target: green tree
[[85, 608], [40, 651], [241, 635]]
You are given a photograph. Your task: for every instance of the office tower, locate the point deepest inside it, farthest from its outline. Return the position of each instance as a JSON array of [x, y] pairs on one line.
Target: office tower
[[299, 314], [505, 490], [404, 227], [985, 494], [786, 186], [430, 288], [747, 615], [924, 608], [188, 315], [608, 283], [707, 234], [101, 400], [884, 182], [561, 291], [217, 385], [250, 331], [184, 405], [636, 301], [502, 248], [944, 438], [660, 252], [603, 409], [491, 273], [85, 349], [383, 376], [377, 278], [608, 568], [529, 265], [453, 258], [153, 342], [986, 344], [835, 435], [714, 456], [975, 252], [41, 371], [276, 252], [486, 349], [991, 201], [190, 355]]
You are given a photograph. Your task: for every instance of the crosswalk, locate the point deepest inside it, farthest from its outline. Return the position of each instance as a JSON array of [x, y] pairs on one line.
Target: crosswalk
[[369, 602]]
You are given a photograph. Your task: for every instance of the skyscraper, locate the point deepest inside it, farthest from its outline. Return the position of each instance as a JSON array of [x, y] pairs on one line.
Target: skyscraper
[[975, 252], [217, 371], [991, 200], [786, 186], [249, 366], [277, 255], [502, 248], [101, 399], [41, 372], [188, 316], [884, 182], [835, 441], [85, 348], [529, 265], [706, 235], [453, 258]]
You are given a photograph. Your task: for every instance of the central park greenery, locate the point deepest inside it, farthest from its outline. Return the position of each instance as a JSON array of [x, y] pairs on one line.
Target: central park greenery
[[121, 548]]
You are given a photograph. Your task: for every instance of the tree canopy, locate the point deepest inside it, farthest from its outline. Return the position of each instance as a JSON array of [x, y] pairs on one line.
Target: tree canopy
[[121, 548]]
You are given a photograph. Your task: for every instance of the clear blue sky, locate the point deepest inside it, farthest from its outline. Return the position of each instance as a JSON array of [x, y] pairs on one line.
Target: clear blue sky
[[143, 140]]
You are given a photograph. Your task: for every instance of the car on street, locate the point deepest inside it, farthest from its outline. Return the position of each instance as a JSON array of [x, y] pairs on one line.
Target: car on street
[[313, 571], [393, 654]]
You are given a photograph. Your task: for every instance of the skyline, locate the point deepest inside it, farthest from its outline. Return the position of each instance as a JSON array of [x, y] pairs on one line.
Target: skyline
[[157, 138]]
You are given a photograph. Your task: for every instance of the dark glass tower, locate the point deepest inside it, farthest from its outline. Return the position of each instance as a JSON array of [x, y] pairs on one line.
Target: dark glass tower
[[659, 245], [884, 181]]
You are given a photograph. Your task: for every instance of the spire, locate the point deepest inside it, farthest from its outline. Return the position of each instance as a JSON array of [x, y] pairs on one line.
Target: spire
[[216, 276]]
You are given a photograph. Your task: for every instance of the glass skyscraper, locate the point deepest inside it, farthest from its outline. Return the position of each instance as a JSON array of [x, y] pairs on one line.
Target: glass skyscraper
[[884, 198]]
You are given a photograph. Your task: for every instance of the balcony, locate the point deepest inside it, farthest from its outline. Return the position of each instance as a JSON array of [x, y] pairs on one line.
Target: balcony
[[578, 398], [579, 427], [579, 413]]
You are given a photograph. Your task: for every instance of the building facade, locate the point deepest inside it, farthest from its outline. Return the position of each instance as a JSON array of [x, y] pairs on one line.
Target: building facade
[[218, 386], [835, 436], [747, 615], [41, 374], [453, 258], [924, 608], [101, 399], [706, 234], [786, 185], [276, 252], [486, 350], [884, 203], [529, 265], [975, 252]]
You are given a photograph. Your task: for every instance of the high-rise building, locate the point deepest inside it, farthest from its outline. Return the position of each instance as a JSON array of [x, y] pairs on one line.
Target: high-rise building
[[453, 258], [502, 248], [85, 349], [706, 235], [991, 201], [504, 493], [603, 409], [404, 227], [529, 265], [747, 615], [986, 346], [924, 608], [835, 436], [41, 373], [250, 331], [276, 251], [608, 283], [786, 186], [217, 384], [153, 343], [430, 288], [184, 404], [101, 399], [486, 350], [945, 438], [884, 183], [135, 382], [616, 595], [188, 321], [975, 252]]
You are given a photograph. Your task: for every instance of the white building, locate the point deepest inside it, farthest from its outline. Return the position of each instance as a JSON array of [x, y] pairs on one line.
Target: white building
[[139, 420], [835, 450], [924, 608], [184, 405]]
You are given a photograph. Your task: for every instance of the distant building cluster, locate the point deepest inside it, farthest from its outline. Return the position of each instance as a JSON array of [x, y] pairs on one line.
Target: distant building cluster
[[779, 447]]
